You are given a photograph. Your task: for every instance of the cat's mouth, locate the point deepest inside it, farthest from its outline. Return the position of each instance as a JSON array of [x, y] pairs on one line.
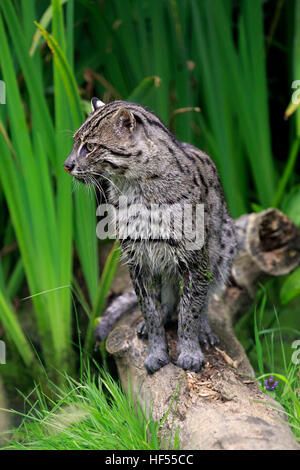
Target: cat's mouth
[[87, 178], [81, 176], [81, 179]]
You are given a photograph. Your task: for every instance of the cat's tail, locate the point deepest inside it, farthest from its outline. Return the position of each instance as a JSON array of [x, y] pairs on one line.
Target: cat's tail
[[125, 303]]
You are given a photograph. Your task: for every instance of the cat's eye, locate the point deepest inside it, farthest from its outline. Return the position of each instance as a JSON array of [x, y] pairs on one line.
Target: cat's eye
[[90, 147]]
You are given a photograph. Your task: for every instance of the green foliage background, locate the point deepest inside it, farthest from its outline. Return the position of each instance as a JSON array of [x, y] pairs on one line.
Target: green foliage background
[[218, 72]]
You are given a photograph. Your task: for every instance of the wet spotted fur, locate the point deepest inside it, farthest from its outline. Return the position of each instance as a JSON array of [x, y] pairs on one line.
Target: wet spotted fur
[[128, 146]]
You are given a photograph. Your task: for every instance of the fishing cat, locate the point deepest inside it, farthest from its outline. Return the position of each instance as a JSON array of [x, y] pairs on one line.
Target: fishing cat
[[127, 145]]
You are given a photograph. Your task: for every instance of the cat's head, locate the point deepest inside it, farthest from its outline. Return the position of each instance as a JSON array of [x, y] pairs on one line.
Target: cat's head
[[111, 142]]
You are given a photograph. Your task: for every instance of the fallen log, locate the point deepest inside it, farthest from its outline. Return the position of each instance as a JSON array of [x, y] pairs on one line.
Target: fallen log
[[222, 407]]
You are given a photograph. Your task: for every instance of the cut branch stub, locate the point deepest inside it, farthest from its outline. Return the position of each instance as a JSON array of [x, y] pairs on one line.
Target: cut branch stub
[[268, 245], [274, 243]]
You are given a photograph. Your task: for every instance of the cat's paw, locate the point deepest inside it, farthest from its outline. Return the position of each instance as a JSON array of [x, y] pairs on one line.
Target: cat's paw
[[156, 361], [141, 330], [191, 360], [206, 337]]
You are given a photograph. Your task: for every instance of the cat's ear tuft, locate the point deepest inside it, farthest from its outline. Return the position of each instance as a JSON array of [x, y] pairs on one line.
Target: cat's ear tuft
[[96, 104], [124, 120]]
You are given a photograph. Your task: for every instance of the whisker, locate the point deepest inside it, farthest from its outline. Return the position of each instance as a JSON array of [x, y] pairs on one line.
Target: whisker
[[75, 185], [110, 181], [98, 186], [95, 192]]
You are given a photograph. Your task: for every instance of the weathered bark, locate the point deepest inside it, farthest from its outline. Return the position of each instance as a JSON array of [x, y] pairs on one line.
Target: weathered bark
[[221, 407]]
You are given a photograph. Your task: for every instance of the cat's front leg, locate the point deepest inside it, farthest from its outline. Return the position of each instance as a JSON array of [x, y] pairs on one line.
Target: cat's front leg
[[194, 290], [148, 291]]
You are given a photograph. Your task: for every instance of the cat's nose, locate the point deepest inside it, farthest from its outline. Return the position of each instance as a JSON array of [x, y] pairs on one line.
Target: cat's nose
[[69, 165]]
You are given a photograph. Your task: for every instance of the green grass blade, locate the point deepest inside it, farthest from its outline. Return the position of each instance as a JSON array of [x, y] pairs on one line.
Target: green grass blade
[[34, 83], [141, 93], [104, 286], [44, 22], [66, 75], [13, 329]]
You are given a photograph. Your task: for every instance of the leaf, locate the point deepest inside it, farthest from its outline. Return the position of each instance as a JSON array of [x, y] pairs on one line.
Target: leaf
[[44, 22], [291, 206], [256, 207], [292, 107], [66, 75], [105, 283], [296, 56], [11, 325], [291, 287], [143, 90]]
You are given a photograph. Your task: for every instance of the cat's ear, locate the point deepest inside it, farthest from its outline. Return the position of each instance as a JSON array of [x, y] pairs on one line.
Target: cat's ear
[[124, 120], [96, 104]]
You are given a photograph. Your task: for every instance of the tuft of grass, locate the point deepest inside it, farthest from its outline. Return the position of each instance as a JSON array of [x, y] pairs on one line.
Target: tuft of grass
[[91, 414], [267, 340]]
